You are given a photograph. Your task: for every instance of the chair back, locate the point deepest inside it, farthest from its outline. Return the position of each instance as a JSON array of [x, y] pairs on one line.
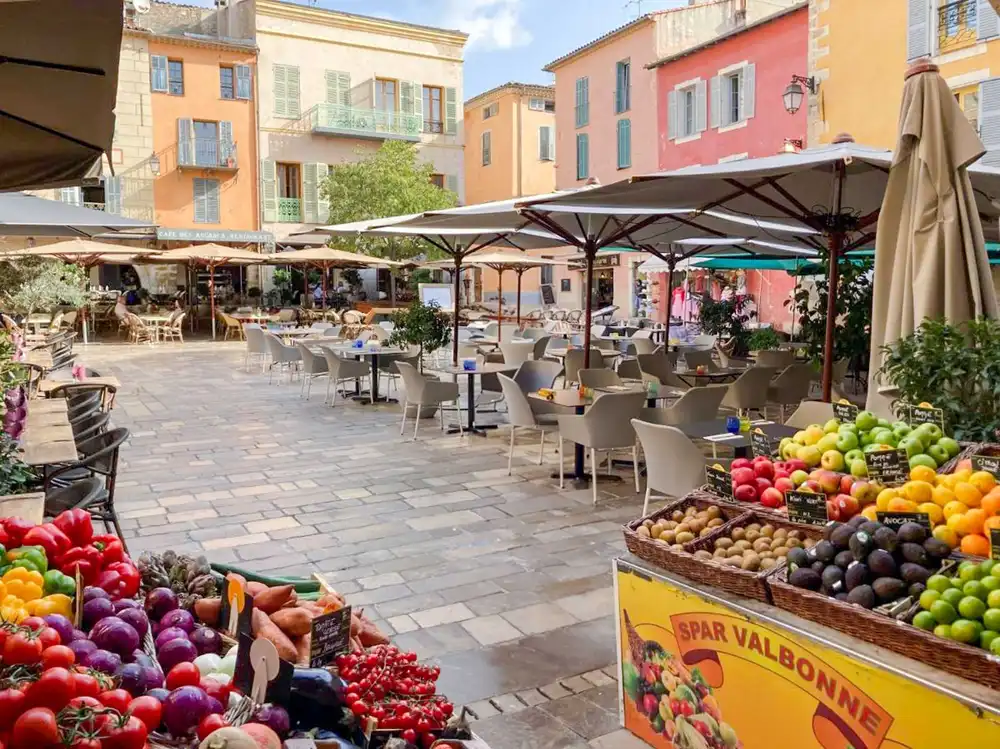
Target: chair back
[[574, 316], [80, 494], [519, 412], [230, 321], [641, 345], [69, 319], [534, 375], [255, 338], [280, 352], [750, 388], [674, 464], [643, 334], [777, 358], [700, 358], [659, 366], [56, 321], [598, 378], [516, 352], [704, 342], [312, 364], [697, 404], [533, 334], [810, 412], [596, 331], [629, 369], [573, 363], [286, 315], [318, 325], [792, 384], [413, 381], [85, 404], [609, 419], [840, 370], [333, 331], [604, 344], [491, 330], [541, 344], [98, 454], [89, 424], [178, 322]]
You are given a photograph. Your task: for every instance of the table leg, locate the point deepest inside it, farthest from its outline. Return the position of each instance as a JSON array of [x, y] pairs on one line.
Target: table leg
[[374, 387], [471, 423]]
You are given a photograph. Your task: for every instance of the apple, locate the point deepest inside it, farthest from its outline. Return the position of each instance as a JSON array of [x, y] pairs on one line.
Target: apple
[[851, 455], [796, 465], [881, 435], [848, 427], [762, 484], [799, 437], [744, 475], [901, 429], [859, 469], [783, 484], [772, 498], [865, 492], [933, 432], [831, 426], [866, 439], [781, 475], [829, 481], [745, 493], [832, 460], [790, 450], [884, 423], [764, 469], [847, 483], [950, 445], [827, 442], [866, 420], [848, 506], [832, 511], [781, 445], [912, 445], [939, 454], [811, 486], [810, 455], [923, 460], [740, 463], [799, 477], [846, 441]]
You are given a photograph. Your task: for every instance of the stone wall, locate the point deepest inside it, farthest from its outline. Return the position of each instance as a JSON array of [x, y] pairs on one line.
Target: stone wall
[[168, 18], [133, 140]]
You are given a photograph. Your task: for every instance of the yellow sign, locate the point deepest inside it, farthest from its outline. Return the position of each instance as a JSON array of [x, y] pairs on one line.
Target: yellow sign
[[699, 675]]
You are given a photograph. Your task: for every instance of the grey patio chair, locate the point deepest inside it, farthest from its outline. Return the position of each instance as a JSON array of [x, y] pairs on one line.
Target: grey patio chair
[[340, 370], [749, 391], [695, 358], [629, 369], [777, 358], [520, 416], [256, 347], [313, 366], [637, 345], [573, 362], [704, 342], [387, 363], [791, 386], [534, 334], [661, 366], [541, 344], [605, 426], [89, 424], [598, 377], [605, 344], [534, 375], [78, 495], [423, 391], [674, 464], [810, 412], [697, 404], [516, 352], [282, 356]]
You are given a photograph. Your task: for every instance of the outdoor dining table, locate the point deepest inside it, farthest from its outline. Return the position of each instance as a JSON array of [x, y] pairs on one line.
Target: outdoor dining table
[[693, 378], [373, 353], [47, 441], [714, 431], [46, 386], [156, 322], [40, 357], [481, 369]]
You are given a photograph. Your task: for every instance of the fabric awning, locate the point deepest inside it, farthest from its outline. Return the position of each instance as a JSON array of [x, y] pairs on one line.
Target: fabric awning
[[30, 216]]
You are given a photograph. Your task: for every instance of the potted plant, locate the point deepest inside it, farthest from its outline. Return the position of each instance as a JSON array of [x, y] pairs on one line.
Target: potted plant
[[425, 326], [763, 339]]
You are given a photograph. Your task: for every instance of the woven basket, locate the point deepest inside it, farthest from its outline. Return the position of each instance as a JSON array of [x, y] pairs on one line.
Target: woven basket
[[961, 660], [733, 579], [660, 554], [968, 450]]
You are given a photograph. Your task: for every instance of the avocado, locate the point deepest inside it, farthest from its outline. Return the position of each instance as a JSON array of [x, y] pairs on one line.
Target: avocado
[[818, 567], [870, 527], [889, 589], [857, 521], [843, 559], [841, 537], [832, 526], [857, 574], [797, 556], [881, 563], [913, 573], [915, 590], [862, 544], [833, 578], [841, 597], [914, 552], [824, 551], [863, 596], [913, 533], [936, 548], [807, 578], [886, 538]]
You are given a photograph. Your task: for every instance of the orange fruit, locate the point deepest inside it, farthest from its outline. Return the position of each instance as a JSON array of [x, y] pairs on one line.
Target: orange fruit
[[946, 534], [884, 497], [968, 494], [942, 495], [869, 512], [972, 522], [923, 473], [918, 491], [983, 481], [936, 513], [975, 545], [991, 524], [991, 503], [956, 524], [898, 504], [954, 508]]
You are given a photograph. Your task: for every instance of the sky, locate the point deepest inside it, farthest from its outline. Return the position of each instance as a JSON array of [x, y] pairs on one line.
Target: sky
[[509, 40]]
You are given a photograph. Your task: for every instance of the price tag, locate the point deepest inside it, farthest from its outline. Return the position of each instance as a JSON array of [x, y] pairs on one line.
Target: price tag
[[995, 543], [235, 619], [762, 445], [896, 519], [845, 412], [280, 685], [719, 482], [808, 508], [331, 636], [917, 415], [887, 467], [988, 463]]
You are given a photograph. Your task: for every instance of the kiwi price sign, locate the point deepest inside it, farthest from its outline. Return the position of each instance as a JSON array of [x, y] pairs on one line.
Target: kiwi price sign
[[762, 445], [719, 482], [808, 508], [845, 412], [988, 463], [887, 467], [896, 520]]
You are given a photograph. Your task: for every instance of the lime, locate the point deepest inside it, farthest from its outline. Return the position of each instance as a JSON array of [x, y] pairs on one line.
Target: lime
[[963, 630], [995, 572], [952, 596], [971, 607], [993, 599], [991, 583], [943, 612], [927, 599], [957, 582], [975, 588], [991, 619], [943, 630], [969, 571], [986, 637], [938, 583], [995, 646], [987, 566], [925, 620]]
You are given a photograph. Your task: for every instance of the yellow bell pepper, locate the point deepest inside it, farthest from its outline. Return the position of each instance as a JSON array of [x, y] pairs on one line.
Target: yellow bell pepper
[[12, 610], [55, 603], [24, 584]]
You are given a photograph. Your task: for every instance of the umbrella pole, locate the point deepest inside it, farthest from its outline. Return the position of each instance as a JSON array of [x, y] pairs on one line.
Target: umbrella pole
[[836, 242], [458, 285], [325, 270], [499, 304], [591, 250], [211, 296], [670, 293], [519, 274]]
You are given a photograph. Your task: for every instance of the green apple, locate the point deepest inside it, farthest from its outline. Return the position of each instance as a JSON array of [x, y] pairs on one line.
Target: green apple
[[848, 427], [933, 432], [872, 447], [866, 420], [884, 423], [912, 444], [851, 455], [810, 455], [798, 477], [799, 437], [790, 450], [950, 445], [831, 426], [832, 461], [866, 439], [881, 435], [828, 442], [847, 441], [901, 429], [859, 469], [781, 445], [939, 454], [923, 460]]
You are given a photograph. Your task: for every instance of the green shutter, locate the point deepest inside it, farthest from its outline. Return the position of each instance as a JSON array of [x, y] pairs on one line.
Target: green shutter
[[405, 97], [113, 195], [582, 156], [280, 91], [624, 144], [585, 107], [322, 201], [294, 110], [268, 190], [451, 183], [212, 201], [338, 88], [418, 101], [451, 111], [310, 207]]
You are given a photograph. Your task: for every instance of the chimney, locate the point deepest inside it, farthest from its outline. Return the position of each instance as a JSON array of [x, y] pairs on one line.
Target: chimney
[[740, 13]]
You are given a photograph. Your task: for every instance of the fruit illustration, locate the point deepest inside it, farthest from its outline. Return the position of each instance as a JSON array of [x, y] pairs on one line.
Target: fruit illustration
[[965, 607]]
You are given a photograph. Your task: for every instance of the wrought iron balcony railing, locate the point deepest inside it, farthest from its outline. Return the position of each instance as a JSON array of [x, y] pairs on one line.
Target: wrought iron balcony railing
[[289, 210], [362, 122], [957, 25]]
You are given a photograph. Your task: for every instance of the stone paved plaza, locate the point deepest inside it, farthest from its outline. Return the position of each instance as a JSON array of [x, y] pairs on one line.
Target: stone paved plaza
[[502, 580]]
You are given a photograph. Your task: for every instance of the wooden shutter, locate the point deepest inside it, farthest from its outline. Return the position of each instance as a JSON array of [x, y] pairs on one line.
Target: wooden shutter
[[451, 183], [586, 101], [578, 106], [989, 120], [918, 29], [582, 156], [700, 106], [450, 111], [418, 101], [243, 82], [280, 91], [748, 91], [332, 87], [292, 79], [671, 115], [322, 201], [344, 84], [487, 143], [310, 197], [157, 73], [200, 200], [543, 143], [619, 88], [716, 116], [268, 190], [226, 151], [987, 23], [185, 141], [212, 201]]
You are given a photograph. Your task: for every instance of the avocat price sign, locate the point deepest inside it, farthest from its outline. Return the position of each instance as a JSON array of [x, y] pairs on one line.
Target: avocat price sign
[[719, 482], [808, 508], [995, 543], [896, 520], [762, 445], [917, 415], [845, 412], [988, 463], [887, 467]]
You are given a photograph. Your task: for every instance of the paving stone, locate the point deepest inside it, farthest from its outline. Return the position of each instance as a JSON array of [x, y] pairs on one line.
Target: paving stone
[[587, 606], [483, 709], [620, 739], [274, 524], [455, 612], [598, 678], [554, 691], [531, 697], [541, 617], [403, 624], [489, 630], [227, 542], [379, 581], [577, 684], [508, 703]]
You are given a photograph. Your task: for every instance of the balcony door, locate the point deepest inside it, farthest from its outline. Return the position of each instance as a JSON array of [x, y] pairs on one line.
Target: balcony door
[[289, 181], [206, 143]]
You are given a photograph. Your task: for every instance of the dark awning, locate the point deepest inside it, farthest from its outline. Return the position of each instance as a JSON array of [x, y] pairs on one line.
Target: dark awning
[[24, 215]]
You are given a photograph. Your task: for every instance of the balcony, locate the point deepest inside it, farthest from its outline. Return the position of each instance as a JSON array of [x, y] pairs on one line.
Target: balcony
[[289, 211], [957, 25], [358, 122], [206, 153]]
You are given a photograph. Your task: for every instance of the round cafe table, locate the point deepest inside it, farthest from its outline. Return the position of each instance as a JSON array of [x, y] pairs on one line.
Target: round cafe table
[[487, 368], [372, 353]]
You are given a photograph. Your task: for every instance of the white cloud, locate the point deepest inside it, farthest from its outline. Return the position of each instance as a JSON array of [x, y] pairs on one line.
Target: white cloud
[[491, 24]]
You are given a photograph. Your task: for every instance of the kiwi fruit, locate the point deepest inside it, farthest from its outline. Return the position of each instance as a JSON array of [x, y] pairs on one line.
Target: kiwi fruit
[[912, 533], [806, 578], [881, 564], [702, 554], [863, 596], [914, 552]]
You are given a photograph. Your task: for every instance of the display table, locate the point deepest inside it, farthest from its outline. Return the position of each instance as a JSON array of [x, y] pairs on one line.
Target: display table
[[767, 679]]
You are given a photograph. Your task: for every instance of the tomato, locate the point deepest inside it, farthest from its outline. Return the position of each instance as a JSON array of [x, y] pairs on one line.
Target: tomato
[[116, 699], [183, 675], [148, 710], [209, 724], [84, 684], [129, 733], [49, 637], [21, 650], [11, 705], [54, 689], [34, 623], [57, 655], [410, 736], [85, 743], [216, 689], [85, 701], [35, 729]]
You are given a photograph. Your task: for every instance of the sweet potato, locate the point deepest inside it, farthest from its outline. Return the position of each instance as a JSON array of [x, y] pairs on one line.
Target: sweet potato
[[293, 622], [311, 608], [355, 625], [208, 610], [254, 588], [302, 646], [333, 601], [263, 627], [273, 599], [370, 635]]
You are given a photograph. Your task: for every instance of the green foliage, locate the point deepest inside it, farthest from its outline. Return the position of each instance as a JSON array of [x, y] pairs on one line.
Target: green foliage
[[352, 277], [728, 319], [12, 374], [43, 285], [423, 325], [389, 182], [16, 477], [419, 276], [763, 339], [282, 278], [852, 332], [953, 367]]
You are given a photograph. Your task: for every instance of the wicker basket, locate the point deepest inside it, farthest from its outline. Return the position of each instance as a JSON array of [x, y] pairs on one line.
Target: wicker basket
[[968, 450], [660, 554], [961, 660]]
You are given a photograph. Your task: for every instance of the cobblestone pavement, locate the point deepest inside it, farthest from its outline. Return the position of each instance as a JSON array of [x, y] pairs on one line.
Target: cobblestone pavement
[[503, 580]]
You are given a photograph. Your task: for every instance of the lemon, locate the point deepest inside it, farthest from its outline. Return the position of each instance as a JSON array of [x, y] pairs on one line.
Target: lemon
[[923, 473], [918, 491], [936, 513], [884, 497]]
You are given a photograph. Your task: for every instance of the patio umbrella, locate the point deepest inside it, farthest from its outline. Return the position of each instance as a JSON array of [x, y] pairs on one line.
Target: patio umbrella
[[25, 215], [59, 77], [211, 256], [930, 254], [326, 258]]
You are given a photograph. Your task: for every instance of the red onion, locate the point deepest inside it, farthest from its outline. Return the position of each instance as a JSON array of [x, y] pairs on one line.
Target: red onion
[[168, 634], [178, 618], [174, 652], [62, 625], [159, 601], [207, 640], [184, 708]]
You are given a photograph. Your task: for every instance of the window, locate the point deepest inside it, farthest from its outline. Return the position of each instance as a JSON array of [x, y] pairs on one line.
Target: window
[[623, 86], [687, 112], [206, 201], [582, 156], [733, 96], [687, 109], [547, 274], [438, 181], [433, 122], [289, 181], [227, 82], [242, 81], [731, 89], [491, 110], [546, 143], [550, 106], [175, 77], [624, 144], [969, 103], [487, 143], [286, 91], [338, 87], [206, 143], [158, 73], [582, 102], [385, 95], [541, 105]]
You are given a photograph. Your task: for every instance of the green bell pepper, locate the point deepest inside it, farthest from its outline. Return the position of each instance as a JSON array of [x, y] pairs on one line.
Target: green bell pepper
[[57, 582], [29, 557]]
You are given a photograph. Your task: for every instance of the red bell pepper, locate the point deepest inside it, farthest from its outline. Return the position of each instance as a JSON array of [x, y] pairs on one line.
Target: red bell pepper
[[77, 525], [87, 558], [119, 580], [110, 547], [16, 528], [50, 538], [5, 538]]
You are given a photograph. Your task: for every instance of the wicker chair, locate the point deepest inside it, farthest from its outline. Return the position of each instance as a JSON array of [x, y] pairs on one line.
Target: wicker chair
[[138, 331], [233, 327], [175, 328]]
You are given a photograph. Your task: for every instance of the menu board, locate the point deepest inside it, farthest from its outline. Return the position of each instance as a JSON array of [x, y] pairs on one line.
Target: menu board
[[845, 411], [916, 415], [808, 508], [895, 520], [762, 445], [548, 296], [719, 482], [331, 636], [988, 463], [887, 467]]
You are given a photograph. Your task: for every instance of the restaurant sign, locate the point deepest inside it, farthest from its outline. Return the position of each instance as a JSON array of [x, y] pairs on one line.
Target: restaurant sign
[[214, 235]]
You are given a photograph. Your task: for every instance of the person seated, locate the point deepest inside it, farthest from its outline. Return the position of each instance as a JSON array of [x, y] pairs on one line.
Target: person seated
[[120, 309]]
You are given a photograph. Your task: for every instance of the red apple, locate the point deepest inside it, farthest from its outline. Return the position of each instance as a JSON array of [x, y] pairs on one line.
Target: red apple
[[848, 506], [762, 484], [772, 498], [832, 511], [812, 486], [780, 465], [784, 484], [781, 474], [745, 493], [764, 469], [829, 481], [795, 465], [865, 492], [743, 475], [846, 482], [740, 463]]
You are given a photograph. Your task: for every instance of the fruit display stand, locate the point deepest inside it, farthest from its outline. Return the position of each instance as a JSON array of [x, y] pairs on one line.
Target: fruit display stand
[[704, 668]]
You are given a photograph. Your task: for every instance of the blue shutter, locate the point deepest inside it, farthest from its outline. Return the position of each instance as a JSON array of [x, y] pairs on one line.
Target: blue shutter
[[200, 200], [243, 82], [185, 141], [624, 144], [578, 105], [586, 101], [157, 73], [582, 156], [268, 190]]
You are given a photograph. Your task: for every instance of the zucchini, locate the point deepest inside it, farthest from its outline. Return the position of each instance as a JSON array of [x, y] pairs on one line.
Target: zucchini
[[301, 584]]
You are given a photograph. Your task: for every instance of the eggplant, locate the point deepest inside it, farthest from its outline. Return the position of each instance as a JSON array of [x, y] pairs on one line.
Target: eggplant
[[316, 700]]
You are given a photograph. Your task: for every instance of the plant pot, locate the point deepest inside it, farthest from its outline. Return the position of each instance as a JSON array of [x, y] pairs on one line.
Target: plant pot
[[426, 412]]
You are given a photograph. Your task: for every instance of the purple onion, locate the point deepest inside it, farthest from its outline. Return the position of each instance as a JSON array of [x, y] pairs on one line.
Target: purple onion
[[168, 634], [274, 717], [176, 651], [62, 625], [178, 618], [81, 649], [126, 603], [159, 601], [137, 619], [91, 592], [184, 708], [133, 679], [104, 661], [207, 640], [214, 706], [117, 636], [79, 634], [153, 676], [96, 609], [159, 693]]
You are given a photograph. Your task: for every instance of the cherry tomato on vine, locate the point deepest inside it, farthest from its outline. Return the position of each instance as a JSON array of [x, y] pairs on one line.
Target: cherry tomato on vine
[[34, 623], [11, 706], [84, 742], [54, 689], [183, 675], [410, 736], [116, 699], [35, 729], [130, 733], [57, 655], [20, 649], [85, 684], [209, 724], [49, 637], [149, 710]]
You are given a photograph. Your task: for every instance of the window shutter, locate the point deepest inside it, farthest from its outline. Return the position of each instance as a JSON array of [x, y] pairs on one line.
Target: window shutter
[[405, 97], [268, 190], [582, 156], [310, 198], [243, 82], [451, 111], [620, 136], [918, 29], [322, 201], [344, 84], [748, 91], [157, 73], [451, 183], [418, 100], [700, 106], [292, 79], [487, 142], [619, 88], [989, 120], [71, 195], [586, 101], [280, 91], [987, 23], [624, 144], [113, 195], [185, 141], [332, 87], [225, 142], [578, 106], [716, 117], [200, 201], [671, 115], [212, 210]]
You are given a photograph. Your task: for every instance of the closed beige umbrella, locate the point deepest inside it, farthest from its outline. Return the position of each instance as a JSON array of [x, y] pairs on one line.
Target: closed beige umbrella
[[930, 255]]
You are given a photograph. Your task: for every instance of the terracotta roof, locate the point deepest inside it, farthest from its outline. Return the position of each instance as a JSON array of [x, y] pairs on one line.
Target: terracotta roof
[[541, 89]]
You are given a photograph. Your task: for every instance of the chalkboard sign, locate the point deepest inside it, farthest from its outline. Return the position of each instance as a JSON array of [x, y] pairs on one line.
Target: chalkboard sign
[[895, 520], [331, 636], [719, 482], [916, 415], [808, 508], [887, 467], [762, 445], [278, 689], [548, 295], [995, 543], [988, 463], [846, 412]]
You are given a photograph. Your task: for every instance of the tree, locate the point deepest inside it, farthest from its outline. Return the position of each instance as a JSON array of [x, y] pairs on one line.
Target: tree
[[41, 285]]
